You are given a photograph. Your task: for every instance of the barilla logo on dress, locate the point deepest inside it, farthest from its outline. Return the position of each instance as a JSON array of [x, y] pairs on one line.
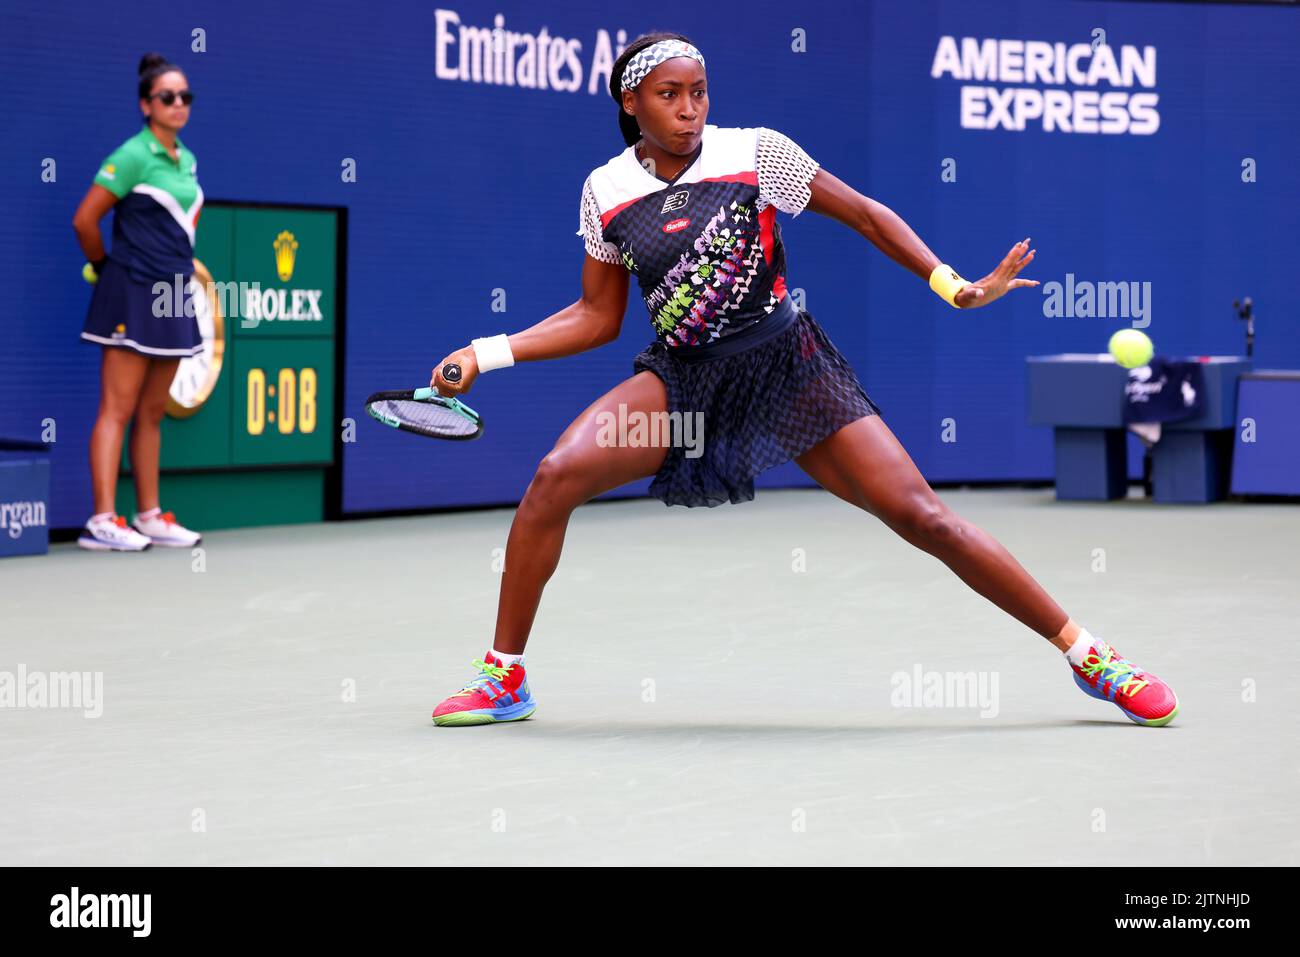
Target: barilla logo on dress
[[676, 225], [16, 516]]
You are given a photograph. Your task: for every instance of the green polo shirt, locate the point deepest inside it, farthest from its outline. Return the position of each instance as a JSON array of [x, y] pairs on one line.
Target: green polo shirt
[[159, 199]]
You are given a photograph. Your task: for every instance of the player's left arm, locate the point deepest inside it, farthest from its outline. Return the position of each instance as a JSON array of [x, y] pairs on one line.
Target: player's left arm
[[887, 231]]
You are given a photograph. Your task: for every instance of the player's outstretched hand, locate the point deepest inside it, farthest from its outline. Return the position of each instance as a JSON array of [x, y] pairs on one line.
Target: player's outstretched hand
[[468, 362], [995, 284]]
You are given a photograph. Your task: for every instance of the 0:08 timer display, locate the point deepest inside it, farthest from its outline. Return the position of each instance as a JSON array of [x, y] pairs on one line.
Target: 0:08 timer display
[[289, 404]]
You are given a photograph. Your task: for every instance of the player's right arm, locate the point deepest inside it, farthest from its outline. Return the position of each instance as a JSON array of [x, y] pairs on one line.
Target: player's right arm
[[117, 175], [85, 222], [591, 322]]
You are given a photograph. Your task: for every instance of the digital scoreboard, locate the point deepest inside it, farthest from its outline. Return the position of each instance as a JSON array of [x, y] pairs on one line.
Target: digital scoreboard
[[250, 432]]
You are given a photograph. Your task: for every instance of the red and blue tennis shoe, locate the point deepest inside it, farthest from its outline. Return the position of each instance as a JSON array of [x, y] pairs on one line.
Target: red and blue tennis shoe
[[496, 694], [1108, 675]]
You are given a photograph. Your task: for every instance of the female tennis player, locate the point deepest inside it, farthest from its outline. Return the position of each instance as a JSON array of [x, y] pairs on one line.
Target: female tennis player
[[151, 183], [690, 209]]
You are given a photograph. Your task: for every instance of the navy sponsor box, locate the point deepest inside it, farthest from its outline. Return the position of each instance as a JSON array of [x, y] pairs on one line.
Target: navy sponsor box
[[1266, 454], [24, 503]]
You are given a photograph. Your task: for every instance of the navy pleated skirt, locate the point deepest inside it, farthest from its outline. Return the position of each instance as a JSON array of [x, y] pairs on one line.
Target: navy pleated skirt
[[769, 396], [122, 313]]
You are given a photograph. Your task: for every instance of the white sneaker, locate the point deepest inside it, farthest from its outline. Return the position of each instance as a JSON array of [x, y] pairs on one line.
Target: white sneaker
[[112, 535], [163, 529]]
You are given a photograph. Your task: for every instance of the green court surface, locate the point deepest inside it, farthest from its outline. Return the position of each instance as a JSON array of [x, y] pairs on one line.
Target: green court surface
[[714, 686]]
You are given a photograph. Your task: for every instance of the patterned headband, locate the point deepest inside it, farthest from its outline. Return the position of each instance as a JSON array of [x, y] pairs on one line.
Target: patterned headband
[[641, 63]]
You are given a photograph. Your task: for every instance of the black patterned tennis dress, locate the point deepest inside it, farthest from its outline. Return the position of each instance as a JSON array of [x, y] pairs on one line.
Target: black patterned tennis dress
[[730, 343]]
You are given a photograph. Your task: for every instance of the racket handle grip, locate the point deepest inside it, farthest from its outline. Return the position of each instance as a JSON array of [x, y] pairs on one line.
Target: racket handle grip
[[451, 372]]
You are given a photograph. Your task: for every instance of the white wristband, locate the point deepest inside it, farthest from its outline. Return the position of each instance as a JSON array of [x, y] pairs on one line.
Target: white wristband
[[493, 352]]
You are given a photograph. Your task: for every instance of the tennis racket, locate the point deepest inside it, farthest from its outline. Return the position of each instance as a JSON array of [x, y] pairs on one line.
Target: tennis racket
[[425, 412]]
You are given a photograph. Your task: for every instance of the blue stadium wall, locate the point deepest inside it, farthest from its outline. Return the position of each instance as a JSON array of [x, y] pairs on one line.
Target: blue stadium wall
[[464, 188]]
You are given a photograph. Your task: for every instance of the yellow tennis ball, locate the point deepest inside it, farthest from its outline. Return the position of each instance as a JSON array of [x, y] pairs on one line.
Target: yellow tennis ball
[[1131, 348], [88, 273]]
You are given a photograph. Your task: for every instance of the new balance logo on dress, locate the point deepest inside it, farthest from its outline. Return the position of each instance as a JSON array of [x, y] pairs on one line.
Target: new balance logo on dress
[[675, 201]]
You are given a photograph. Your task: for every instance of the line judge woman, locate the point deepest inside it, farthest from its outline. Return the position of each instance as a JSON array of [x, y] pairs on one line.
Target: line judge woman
[[151, 183]]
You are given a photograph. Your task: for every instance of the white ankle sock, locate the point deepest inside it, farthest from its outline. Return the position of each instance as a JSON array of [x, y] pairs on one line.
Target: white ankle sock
[[506, 660], [1079, 649], [102, 517], [152, 513]]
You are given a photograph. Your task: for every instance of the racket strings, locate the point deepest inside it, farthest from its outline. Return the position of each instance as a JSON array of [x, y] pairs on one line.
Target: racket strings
[[427, 416]]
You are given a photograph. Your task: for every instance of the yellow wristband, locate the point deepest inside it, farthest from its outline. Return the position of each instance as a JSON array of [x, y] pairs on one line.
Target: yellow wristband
[[945, 281]]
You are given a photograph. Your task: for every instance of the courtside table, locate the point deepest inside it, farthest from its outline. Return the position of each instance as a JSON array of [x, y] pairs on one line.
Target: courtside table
[[1081, 396]]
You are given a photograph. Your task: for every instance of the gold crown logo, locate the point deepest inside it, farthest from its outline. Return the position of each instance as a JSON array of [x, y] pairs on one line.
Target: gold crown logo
[[286, 248]]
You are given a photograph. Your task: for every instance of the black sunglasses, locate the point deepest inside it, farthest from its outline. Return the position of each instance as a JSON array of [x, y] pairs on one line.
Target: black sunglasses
[[168, 97]]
